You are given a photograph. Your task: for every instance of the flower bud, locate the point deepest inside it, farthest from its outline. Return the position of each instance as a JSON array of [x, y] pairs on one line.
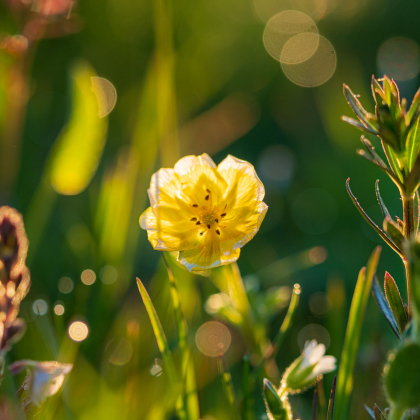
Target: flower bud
[[303, 372]]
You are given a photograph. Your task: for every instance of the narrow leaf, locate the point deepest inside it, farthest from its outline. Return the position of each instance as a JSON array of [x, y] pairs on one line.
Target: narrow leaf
[[384, 210], [76, 153], [358, 125], [393, 230], [162, 344], [378, 413], [273, 403], [188, 372], [413, 112], [370, 412], [330, 415], [353, 331], [372, 152], [384, 307], [393, 161], [378, 230], [247, 384], [228, 386], [395, 302], [413, 145]]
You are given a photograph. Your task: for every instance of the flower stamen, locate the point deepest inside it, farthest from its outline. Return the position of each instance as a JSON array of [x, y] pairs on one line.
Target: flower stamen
[[218, 231], [193, 219]]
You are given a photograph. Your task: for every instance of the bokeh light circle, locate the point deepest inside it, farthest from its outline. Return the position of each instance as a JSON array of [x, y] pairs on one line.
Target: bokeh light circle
[[316, 70], [313, 332], [88, 277], [105, 93], [320, 304], [213, 339], [40, 307], [65, 285], [299, 48], [108, 274], [284, 26], [78, 331], [59, 308], [399, 58]]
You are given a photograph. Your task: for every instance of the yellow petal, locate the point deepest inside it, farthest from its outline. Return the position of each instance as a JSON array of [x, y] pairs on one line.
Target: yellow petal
[[165, 235], [240, 230], [184, 165], [206, 257], [164, 186], [244, 187]]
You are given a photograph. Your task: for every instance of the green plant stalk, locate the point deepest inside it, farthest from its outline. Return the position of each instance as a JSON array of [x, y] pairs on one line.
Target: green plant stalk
[[396, 413], [408, 213]]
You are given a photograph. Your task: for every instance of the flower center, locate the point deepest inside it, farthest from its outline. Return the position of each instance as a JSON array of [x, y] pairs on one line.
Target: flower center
[[208, 216]]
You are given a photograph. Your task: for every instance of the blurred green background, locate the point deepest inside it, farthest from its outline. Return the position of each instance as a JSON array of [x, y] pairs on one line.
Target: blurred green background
[[193, 77]]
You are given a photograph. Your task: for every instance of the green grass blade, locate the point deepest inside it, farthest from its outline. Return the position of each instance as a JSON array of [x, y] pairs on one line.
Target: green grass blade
[[228, 386], [247, 385], [354, 328], [163, 347], [287, 322], [188, 373]]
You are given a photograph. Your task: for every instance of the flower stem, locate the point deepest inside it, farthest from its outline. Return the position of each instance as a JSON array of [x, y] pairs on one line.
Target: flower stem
[[408, 209]]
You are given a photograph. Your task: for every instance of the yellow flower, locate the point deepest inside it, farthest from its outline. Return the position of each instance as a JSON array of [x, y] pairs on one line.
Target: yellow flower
[[207, 213]]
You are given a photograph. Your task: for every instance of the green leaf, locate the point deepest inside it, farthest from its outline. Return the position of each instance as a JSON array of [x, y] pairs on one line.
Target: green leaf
[[358, 125], [372, 152], [330, 414], [395, 302], [273, 403], [413, 145], [163, 346], [378, 230], [357, 107], [353, 331], [384, 307], [188, 372], [76, 153], [402, 379], [393, 231], [384, 210], [393, 161]]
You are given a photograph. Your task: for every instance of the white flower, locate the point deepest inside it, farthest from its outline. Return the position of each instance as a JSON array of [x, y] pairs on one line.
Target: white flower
[[306, 368], [44, 379]]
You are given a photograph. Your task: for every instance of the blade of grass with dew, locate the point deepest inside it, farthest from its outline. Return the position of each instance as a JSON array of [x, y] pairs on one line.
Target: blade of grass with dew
[[188, 372], [163, 346], [228, 387], [353, 332]]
